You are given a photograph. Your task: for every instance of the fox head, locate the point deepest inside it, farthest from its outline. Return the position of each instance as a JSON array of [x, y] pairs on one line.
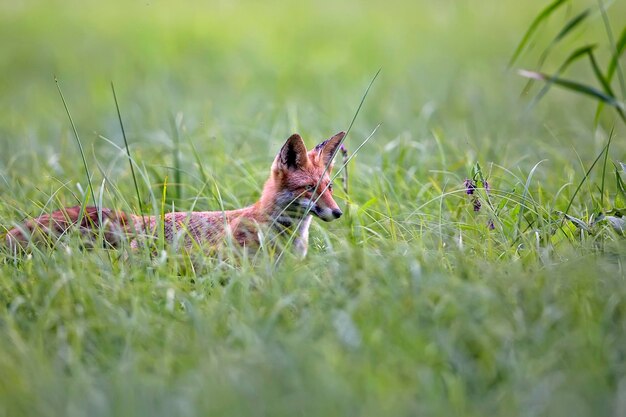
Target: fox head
[[300, 181]]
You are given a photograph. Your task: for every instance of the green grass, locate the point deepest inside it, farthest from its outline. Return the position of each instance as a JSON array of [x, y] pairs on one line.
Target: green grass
[[407, 305]]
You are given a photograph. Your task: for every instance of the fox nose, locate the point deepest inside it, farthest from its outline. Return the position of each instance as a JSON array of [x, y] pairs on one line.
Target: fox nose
[[337, 213]]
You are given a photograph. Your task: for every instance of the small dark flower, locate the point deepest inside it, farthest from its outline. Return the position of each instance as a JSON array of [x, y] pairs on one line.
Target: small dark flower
[[490, 224], [477, 204], [469, 186], [486, 185]]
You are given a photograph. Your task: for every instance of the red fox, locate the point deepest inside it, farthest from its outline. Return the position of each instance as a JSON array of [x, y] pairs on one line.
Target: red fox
[[298, 187]]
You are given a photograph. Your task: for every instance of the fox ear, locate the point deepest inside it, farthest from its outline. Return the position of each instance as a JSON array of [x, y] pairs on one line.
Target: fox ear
[[326, 150], [293, 153]]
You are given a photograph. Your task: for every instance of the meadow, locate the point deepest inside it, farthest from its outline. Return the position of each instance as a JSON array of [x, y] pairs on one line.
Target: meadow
[[413, 303]]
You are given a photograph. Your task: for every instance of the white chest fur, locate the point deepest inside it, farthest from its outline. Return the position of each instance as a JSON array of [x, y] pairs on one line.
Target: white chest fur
[[301, 241]]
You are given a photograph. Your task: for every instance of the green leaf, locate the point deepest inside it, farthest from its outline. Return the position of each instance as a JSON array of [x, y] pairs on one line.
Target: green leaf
[[598, 73], [545, 13], [614, 64], [569, 26], [619, 50], [573, 57], [477, 172], [575, 87]]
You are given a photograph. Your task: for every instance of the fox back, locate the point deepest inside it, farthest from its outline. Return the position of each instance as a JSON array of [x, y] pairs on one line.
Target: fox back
[[297, 189]]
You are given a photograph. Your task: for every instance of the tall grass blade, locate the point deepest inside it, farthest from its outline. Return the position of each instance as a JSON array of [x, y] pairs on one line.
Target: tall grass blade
[[196, 155], [543, 15], [130, 161], [520, 216], [613, 66], [600, 77], [573, 57], [82, 155], [344, 156], [614, 47], [575, 87], [614, 63], [620, 187], [80, 145], [569, 26], [161, 236], [571, 201], [606, 156], [356, 113], [177, 169]]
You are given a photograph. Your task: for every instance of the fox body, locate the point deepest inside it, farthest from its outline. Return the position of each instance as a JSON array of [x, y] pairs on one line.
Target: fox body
[[298, 188]]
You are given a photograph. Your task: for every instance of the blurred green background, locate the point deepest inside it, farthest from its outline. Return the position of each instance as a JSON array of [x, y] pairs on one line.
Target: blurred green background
[[244, 75], [407, 305], [248, 74]]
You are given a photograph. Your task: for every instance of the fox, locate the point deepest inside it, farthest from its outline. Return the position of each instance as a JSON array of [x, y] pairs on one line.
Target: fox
[[298, 187]]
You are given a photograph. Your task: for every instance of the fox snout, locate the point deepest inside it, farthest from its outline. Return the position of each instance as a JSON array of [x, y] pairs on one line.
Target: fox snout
[[327, 214]]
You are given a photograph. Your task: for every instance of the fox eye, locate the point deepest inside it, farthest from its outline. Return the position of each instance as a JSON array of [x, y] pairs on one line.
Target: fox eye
[[310, 187], [330, 188]]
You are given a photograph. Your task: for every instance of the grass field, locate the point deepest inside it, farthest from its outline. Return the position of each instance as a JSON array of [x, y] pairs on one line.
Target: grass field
[[410, 304]]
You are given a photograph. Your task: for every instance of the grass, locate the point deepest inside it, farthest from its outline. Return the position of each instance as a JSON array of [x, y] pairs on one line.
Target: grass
[[408, 305]]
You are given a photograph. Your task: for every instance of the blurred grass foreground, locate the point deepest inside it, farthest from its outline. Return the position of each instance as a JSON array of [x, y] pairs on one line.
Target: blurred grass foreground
[[424, 299]]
